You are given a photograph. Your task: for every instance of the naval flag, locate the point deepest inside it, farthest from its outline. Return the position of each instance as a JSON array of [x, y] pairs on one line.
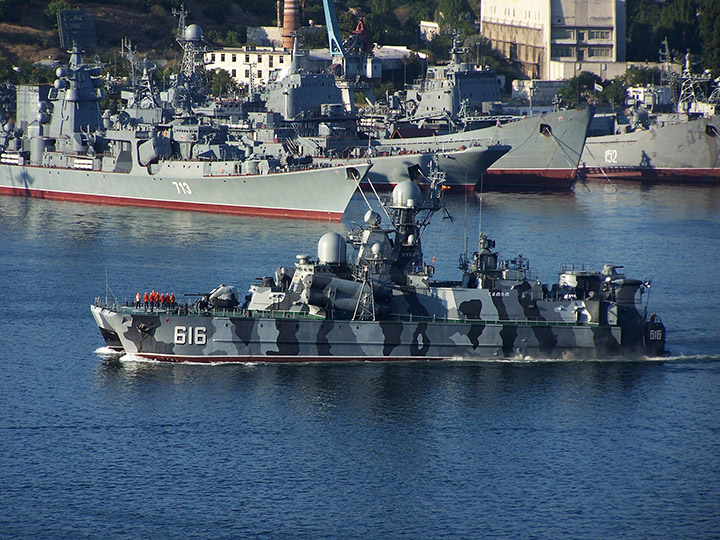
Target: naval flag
[[598, 88]]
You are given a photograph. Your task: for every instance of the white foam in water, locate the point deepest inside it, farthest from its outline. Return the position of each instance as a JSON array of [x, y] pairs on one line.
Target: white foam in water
[[107, 351], [129, 357]]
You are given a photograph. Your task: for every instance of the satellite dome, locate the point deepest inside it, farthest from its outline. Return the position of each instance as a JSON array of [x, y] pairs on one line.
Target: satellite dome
[[193, 33], [332, 248], [372, 218], [404, 192]]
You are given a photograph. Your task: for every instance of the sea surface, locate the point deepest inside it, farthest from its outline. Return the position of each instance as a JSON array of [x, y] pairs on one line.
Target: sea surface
[[96, 446]]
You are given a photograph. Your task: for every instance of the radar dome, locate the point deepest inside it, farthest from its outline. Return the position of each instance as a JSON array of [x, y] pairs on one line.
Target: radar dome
[[332, 248], [193, 33], [372, 218], [404, 192]]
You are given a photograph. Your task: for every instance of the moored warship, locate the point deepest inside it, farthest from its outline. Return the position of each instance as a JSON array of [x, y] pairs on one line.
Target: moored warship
[[440, 112], [307, 116], [64, 148], [384, 304], [675, 151], [544, 150]]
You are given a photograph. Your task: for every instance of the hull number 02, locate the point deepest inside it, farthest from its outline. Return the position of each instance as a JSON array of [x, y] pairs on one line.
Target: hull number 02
[[187, 335]]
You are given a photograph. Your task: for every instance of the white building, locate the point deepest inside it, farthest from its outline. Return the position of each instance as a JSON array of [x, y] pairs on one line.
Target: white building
[[557, 39], [428, 30], [248, 63]]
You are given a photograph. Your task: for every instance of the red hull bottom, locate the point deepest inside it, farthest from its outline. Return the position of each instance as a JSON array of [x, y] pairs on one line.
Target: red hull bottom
[[172, 205], [280, 359], [526, 179], [674, 176]]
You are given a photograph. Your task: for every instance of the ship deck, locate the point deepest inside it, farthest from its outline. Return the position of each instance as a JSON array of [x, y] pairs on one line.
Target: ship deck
[[282, 314]]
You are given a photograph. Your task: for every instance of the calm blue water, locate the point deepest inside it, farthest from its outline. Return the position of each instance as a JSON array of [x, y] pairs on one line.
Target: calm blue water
[[91, 446]]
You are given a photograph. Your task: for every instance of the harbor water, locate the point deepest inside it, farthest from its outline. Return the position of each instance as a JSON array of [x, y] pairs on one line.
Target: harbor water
[[96, 446]]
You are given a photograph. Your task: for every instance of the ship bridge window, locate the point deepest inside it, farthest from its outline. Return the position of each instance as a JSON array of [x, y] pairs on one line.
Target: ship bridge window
[[711, 130], [546, 130]]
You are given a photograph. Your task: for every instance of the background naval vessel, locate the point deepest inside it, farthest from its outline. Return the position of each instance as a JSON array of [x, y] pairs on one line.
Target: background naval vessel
[[672, 148], [442, 111], [63, 148], [384, 304]]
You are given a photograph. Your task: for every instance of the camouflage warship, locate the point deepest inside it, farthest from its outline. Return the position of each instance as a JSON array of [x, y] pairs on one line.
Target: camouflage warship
[[383, 304]]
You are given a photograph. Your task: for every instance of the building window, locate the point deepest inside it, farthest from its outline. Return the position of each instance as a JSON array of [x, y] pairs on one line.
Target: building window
[[561, 52], [562, 33], [581, 36], [233, 73], [282, 59], [247, 73], [234, 58], [259, 73], [599, 34], [599, 51], [222, 57], [271, 61], [212, 57], [260, 59], [247, 58]]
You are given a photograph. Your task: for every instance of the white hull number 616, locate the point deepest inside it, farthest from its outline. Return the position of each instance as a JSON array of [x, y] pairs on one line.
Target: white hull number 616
[[187, 335]]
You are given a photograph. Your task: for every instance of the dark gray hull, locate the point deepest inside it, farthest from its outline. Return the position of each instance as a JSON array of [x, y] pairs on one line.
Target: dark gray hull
[[217, 339]]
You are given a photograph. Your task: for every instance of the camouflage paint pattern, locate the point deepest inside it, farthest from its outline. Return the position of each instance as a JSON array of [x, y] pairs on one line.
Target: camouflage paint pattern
[[235, 337]]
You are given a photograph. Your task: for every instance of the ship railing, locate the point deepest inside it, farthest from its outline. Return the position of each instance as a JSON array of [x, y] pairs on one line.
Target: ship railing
[[572, 267], [275, 314], [469, 320]]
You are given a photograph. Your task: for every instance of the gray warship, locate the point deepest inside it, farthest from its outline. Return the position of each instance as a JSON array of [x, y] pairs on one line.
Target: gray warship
[[308, 117], [664, 137], [544, 150], [384, 304], [669, 149], [63, 148], [450, 110]]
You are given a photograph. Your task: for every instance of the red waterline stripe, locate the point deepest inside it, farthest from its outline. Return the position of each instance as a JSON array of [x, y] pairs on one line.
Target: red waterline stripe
[[172, 205]]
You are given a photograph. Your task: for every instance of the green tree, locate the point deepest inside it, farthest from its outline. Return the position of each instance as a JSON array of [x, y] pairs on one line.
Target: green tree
[[679, 22], [55, 7], [642, 76], [615, 92], [710, 32], [222, 83], [579, 89]]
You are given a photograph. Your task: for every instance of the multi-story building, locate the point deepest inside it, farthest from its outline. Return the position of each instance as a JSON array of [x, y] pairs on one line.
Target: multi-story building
[[248, 64], [557, 39]]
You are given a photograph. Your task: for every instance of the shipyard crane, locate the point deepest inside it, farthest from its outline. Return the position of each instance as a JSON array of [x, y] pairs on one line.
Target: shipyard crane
[[336, 48]]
